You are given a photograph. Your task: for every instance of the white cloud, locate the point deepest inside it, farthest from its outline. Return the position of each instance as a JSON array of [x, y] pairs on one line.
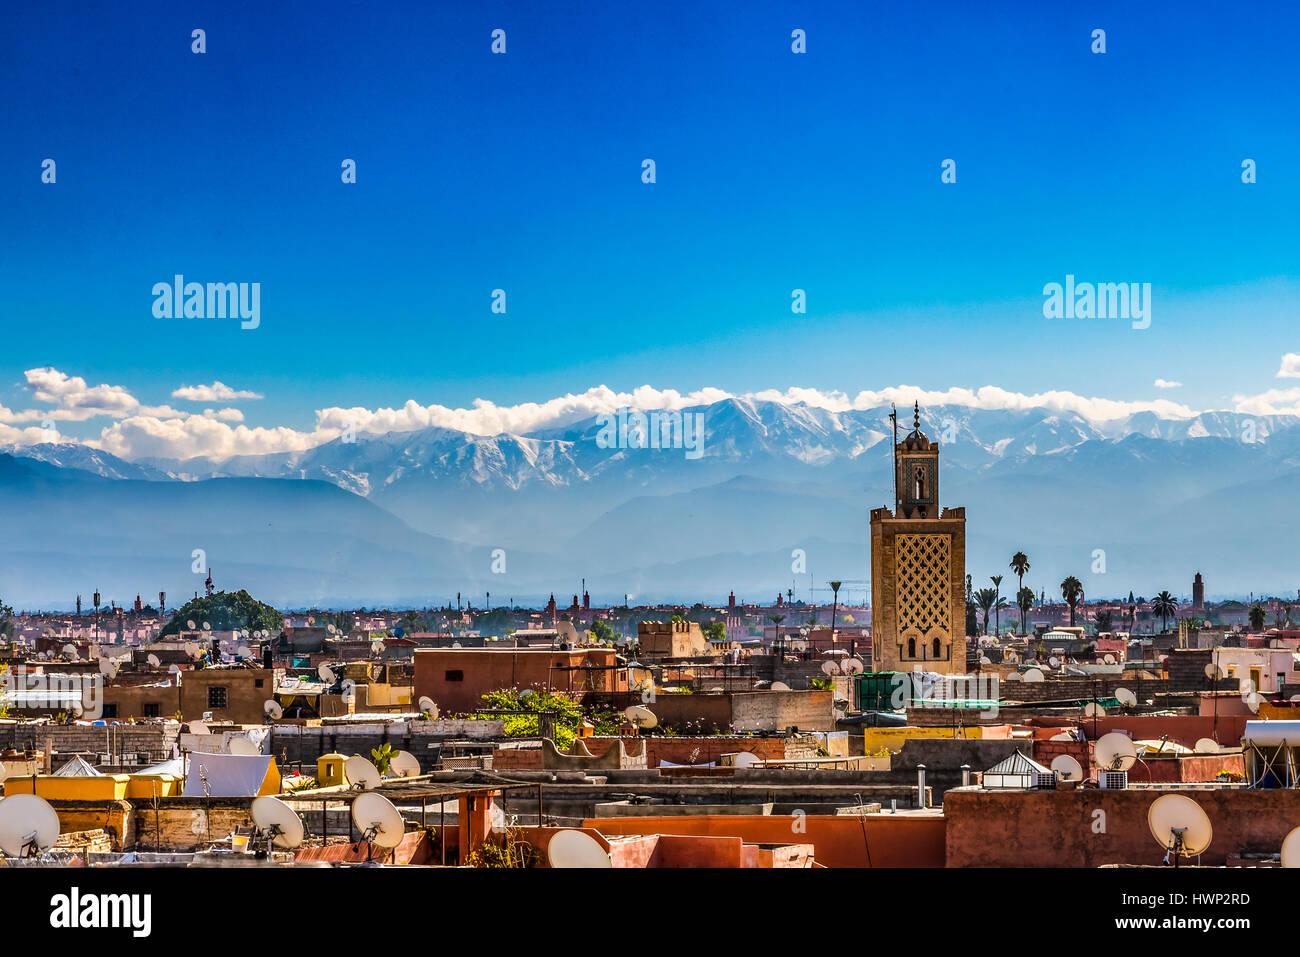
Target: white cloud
[[1272, 402], [194, 435], [1167, 384], [1290, 368], [216, 392], [74, 400]]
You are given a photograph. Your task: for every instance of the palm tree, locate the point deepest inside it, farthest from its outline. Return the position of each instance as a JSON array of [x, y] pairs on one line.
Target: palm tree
[[1282, 617], [1257, 618], [1024, 601], [1020, 565], [1102, 619], [1072, 591], [1164, 606], [985, 598], [997, 603]]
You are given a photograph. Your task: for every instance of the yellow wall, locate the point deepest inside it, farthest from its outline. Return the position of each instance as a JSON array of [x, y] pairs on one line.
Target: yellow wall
[[875, 739], [153, 785], [107, 787]]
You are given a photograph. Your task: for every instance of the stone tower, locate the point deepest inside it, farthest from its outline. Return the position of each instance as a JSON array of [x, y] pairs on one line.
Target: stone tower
[[918, 567]]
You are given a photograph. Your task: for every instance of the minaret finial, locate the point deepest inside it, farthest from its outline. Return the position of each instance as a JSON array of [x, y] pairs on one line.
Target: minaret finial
[[916, 414]]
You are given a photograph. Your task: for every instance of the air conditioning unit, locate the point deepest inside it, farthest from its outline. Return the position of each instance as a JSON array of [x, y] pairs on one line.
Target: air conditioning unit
[[1113, 780]]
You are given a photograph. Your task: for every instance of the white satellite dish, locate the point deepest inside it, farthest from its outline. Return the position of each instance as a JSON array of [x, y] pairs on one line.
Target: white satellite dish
[[377, 647], [29, 826], [576, 849], [1013, 676], [378, 820], [1067, 767], [1207, 746], [242, 745], [1011, 658], [1115, 752], [852, 666], [985, 660], [190, 624], [192, 649], [747, 759], [403, 764], [361, 773], [70, 649], [1109, 659], [1291, 849], [1063, 736], [1032, 674], [1053, 661], [1211, 670], [1125, 697], [174, 670], [641, 716], [1094, 710], [272, 709], [326, 674], [1179, 825], [207, 626], [107, 667], [153, 661], [780, 686], [427, 704], [830, 667], [277, 823], [243, 651], [198, 727]]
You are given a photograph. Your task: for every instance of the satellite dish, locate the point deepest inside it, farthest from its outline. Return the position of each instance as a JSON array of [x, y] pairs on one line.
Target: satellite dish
[[1063, 736], [1291, 849], [330, 628], [1053, 661], [190, 625], [191, 649], [1014, 676], [377, 819], [426, 704], [641, 716], [272, 709], [985, 660], [29, 826], [277, 822], [243, 651], [1032, 674], [1115, 752], [1211, 670], [852, 666], [4, 773], [747, 759], [1067, 767], [70, 649], [107, 667], [1207, 746], [207, 626], [1125, 697], [830, 667], [361, 773], [1094, 710], [780, 686], [198, 727], [403, 764], [242, 745], [377, 647], [576, 849], [326, 674], [1179, 825], [174, 670], [153, 661], [1109, 659], [1011, 658]]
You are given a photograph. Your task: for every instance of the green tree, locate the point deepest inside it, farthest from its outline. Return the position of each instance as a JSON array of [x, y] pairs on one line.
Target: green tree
[[601, 631], [998, 604], [1024, 601], [1020, 565], [6, 620], [1072, 592], [1102, 619], [985, 598], [1257, 618], [225, 611], [716, 631], [1164, 606]]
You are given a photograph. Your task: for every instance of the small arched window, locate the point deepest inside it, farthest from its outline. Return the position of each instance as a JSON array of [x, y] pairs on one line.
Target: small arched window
[[937, 648], [911, 647]]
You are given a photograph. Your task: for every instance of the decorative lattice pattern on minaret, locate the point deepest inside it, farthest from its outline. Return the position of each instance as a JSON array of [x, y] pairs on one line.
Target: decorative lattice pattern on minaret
[[923, 564]]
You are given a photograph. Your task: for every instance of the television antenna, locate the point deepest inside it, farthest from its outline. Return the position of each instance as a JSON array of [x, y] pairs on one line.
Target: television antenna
[[29, 826], [1068, 767], [277, 823], [378, 820], [1115, 752], [570, 848], [403, 764], [1179, 825], [361, 774]]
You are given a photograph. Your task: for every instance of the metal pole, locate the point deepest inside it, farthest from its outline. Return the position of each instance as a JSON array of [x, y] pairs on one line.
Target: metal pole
[[442, 829]]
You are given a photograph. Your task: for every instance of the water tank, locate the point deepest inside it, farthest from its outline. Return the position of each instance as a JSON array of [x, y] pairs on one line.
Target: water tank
[[329, 770], [1270, 734]]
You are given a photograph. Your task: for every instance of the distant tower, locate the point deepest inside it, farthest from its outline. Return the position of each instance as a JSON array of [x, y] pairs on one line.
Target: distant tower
[[731, 602], [78, 606], [1198, 593], [586, 599], [139, 605], [162, 603], [207, 585], [918, 567]]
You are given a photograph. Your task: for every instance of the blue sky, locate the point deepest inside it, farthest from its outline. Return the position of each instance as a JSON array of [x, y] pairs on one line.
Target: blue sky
[[523, 172]]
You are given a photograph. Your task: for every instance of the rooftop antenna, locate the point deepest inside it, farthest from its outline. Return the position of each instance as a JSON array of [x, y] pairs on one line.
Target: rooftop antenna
[[1180, 826], [277, 823], [893, 417]]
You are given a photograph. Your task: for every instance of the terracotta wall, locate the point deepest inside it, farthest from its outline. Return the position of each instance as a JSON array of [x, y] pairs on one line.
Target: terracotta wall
[[1063, 828]]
